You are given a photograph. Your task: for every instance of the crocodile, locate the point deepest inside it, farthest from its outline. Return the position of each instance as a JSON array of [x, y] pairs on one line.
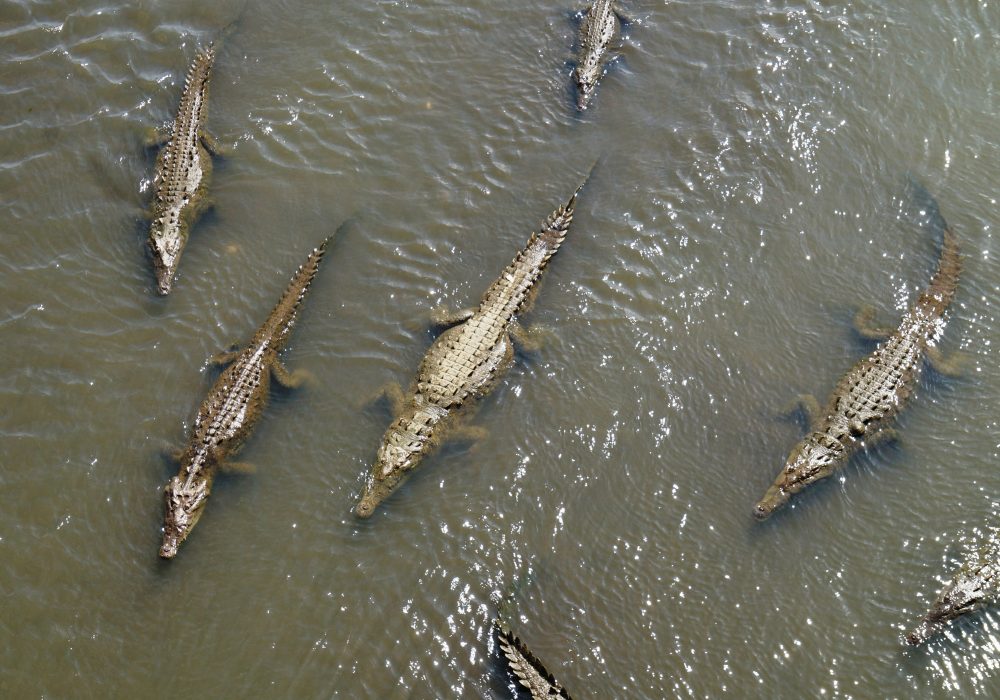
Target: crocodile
[[464, 364], [183, 170], [598, 29], [975, 585], [232, 408], [528, 670], [871, 394]]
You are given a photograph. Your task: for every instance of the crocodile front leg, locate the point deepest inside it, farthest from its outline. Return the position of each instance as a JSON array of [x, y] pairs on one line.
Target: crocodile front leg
[[864, 324], [806, 406], [211, 143], [221, 359], [443, 317], [290, 380], [155, 138], [623, 15]]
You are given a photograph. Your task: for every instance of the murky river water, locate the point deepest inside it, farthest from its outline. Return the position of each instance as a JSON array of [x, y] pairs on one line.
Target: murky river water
[[752, 195]]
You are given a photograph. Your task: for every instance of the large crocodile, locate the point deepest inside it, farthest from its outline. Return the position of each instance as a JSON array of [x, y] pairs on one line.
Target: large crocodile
[[231, 410], [464, 364], [598, 29], [974, 585], [183, 170], [872, 392], [526, 667]]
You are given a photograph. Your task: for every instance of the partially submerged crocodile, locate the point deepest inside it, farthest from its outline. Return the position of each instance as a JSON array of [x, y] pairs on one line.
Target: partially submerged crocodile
[[464, 364], [872, 392], [183, 170], [231, 410], [975, 585], [526, 667], [598, 29]]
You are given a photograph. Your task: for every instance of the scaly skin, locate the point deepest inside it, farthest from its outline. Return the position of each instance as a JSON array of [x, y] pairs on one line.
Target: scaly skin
[[231, 410], [597, 31], [183, 170], [463, 365], [873, 392], [974, 586], [528, 670]]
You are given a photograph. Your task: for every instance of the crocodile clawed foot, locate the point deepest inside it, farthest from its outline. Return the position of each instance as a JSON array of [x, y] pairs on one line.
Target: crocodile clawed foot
[[864, 324], [950, 366], [221, 359]]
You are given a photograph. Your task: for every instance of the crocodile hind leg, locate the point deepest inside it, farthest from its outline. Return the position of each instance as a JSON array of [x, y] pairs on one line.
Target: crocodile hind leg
[[864, 324], [471, 435], [391, 392], [528, 339], [806, 406], [171, 454], [290, 380], [951, 366], [623, 15], [881, 437], [445, 318], [233, 468]]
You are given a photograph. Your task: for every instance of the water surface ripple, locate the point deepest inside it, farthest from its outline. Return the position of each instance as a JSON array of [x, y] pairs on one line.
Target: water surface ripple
[[751, 194]]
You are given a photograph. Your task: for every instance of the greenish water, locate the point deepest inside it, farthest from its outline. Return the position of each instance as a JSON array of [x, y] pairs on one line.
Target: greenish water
[[751, 196]]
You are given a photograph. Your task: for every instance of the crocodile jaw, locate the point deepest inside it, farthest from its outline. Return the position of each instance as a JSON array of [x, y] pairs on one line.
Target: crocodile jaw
[[393, 465], [809, 462], [185, 504], [165, 243]]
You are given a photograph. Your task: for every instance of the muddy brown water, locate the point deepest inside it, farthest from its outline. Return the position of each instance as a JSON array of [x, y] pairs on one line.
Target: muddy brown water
[[752, 195]]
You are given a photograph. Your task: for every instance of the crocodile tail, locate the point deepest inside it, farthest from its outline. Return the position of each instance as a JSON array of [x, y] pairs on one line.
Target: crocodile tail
[[526, 667], [941, 291], [283, 317], [556, 226]]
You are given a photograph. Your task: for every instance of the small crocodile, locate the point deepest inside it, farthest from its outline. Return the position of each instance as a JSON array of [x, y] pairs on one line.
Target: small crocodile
[[183, 170], [975, 585], [231, 410], [464, 364], [872, 392], [598, 29], [526, 667]]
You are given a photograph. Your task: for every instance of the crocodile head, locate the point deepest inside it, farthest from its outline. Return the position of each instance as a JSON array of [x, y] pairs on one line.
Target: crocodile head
[[393, 465], [968, 591], [586, 80], [166, 238], [185, 504], [812, 459]]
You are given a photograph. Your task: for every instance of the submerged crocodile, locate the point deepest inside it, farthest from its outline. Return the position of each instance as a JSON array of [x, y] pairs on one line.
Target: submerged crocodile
[[231, 410], [598, 29], [872, 392], [526, 667], [973, 586], [183, 170], [464, 364]]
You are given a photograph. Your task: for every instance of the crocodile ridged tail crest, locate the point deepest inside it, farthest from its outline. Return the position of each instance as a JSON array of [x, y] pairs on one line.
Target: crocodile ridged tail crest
[[283, 316], [530, 672]]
